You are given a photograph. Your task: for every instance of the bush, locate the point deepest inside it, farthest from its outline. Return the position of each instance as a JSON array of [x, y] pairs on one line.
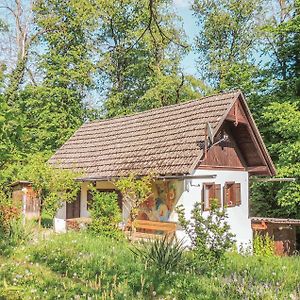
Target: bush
[[17, 235], [163, 254], [210, 236], [106, 215], [8, 214], [263, 245]]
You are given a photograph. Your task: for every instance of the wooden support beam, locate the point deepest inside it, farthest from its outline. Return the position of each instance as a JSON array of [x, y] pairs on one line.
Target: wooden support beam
[[257, 169], [239, 119], [273, 179]]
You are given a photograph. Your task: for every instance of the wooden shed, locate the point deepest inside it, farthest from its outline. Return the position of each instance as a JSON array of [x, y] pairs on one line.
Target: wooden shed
[[24, 197], [285, 232]]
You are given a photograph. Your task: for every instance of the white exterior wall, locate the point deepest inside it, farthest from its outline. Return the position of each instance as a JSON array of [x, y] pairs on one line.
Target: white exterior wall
[[238, 216], [83, 200], [59, 221]]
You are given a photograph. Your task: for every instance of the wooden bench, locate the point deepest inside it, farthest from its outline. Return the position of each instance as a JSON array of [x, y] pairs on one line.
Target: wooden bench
[[145, 229]]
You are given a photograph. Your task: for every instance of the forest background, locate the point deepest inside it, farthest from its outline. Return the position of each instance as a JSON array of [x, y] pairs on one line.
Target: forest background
[[63, 63]]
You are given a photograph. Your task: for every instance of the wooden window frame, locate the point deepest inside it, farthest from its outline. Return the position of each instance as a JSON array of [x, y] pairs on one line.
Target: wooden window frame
[[232, 194], [214, 192]]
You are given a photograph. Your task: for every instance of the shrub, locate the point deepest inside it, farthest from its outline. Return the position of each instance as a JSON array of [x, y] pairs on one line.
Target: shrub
[[106, 215], [164, 254], [53, 185], [14, 233], [8, 214], [135, 191], [210, 236], [263, 245]]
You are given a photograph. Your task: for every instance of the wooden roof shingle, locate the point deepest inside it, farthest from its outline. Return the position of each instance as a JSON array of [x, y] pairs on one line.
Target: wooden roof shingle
[[163, 140]]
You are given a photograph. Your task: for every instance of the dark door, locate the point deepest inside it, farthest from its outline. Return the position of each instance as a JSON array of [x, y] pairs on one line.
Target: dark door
[[73, 208]]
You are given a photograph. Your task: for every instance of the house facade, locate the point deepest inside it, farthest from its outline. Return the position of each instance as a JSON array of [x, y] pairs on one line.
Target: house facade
[[198, 150]]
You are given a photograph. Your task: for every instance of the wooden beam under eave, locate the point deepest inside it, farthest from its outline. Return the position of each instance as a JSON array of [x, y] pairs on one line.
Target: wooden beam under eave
[[258, 170]]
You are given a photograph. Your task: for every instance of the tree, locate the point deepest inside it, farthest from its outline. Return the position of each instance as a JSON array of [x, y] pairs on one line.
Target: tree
[[228, 33], [52, 184], [280, 35], [57, 104], [140, 48], [279, 116], [282, 130], [11, 75]]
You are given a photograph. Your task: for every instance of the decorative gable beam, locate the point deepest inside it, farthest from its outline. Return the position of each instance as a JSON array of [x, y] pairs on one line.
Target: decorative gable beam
[[236, 114]]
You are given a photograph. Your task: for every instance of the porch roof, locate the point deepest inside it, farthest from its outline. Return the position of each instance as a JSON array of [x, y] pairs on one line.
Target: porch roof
[[276, 220]]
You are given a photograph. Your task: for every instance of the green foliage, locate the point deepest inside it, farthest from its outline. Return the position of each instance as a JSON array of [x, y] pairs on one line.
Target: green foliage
[[51, 183], [164, 254], [281, 127], [106, 215], [140, 63], [77, 265], [55, 108], [135, 191], [8, 214], [263, 245], [227, 37], [13, 231], [210, 236], [19, 234]]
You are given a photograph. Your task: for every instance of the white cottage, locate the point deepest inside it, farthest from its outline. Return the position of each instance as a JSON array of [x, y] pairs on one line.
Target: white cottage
[[200, 150]]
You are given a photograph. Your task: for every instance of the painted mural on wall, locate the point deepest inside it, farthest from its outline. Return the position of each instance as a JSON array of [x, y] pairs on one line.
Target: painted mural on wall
[[161, 203]]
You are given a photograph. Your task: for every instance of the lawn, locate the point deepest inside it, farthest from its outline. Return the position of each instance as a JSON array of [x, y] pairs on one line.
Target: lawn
[[81, 266]]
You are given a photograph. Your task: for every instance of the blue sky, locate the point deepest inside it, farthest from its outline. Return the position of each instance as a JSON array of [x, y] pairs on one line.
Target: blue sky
[[189, 25]]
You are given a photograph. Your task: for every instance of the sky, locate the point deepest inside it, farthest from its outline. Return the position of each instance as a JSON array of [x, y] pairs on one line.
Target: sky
[[189, 24]]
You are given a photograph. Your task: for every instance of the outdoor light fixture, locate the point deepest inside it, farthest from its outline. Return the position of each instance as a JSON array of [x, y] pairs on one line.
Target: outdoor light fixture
[[224, 138]]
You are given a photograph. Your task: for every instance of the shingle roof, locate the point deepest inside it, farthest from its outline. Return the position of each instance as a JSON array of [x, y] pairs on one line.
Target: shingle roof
[[164, 140]]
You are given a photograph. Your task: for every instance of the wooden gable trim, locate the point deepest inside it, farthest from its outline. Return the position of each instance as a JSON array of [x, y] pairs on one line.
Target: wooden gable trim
[[253, 130], [236, 114]]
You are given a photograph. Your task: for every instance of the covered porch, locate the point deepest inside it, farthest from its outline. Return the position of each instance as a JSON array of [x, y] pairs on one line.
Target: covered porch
[[156, 215]]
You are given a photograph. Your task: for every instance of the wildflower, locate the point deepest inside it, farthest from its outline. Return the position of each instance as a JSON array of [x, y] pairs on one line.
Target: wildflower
[[154, 293]]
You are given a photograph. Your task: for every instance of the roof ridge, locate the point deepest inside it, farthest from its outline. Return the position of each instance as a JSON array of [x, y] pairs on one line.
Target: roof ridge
[[163, 107]]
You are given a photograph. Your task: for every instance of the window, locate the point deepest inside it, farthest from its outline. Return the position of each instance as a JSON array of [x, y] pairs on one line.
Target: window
[[211, 191], [232, 194]]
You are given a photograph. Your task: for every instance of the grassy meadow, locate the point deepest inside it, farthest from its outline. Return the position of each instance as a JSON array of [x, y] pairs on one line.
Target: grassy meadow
[[81, 266]]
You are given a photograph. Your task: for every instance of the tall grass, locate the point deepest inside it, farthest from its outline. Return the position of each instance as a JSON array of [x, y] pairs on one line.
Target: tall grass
[[80, 266]]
